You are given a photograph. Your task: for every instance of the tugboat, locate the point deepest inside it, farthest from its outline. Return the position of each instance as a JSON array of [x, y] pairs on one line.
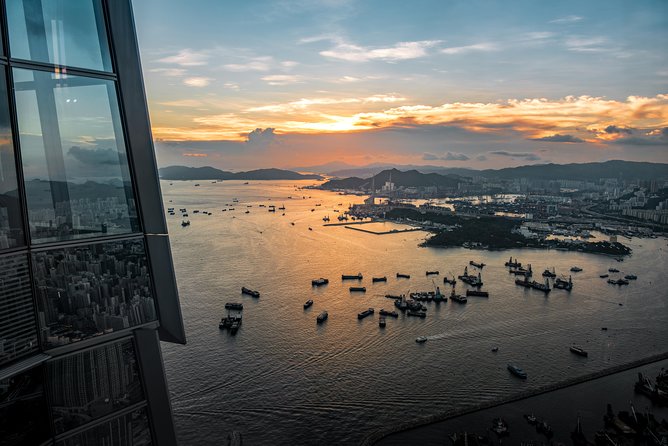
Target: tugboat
[[365, 313], [515, 370], [379, 279], [358, 276], [421, 339], [234, 306], [319, 282], [576, 269], [361, 289], [250, 292], [578, 351], [322, 317], [495, 349], [420, 314], [308, 303], [403, 276]]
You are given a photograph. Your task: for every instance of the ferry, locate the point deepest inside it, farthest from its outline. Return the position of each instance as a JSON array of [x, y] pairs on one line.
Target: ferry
[[477, 293], [361, 289], [379, 279], [234, 306], [578, 351], [393, 314], [365, 313], [576, 269], [430, 273], [250, 292], [358, 276], [319, 282], [381, 321], [308, 303], [476, 264], [322, 317], [517, 371], [421, 339], [403, 276]]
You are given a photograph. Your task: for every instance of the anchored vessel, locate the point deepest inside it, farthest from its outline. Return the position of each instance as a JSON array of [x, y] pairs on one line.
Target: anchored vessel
[[361, 289], [322, 317], [429, 273], [320, 281], [564, 284], [357, 276], [476, 264], [477, 293], [403, 276], [234, 306], [379, 279], [250, 292], [421, 339], [515, 370], [393, 314], [308, 303], [365, 313], [578, 351]]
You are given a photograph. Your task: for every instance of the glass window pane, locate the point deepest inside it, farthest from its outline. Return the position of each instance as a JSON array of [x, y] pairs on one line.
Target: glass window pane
[[11, 232], [88, 385], [83, 292], [61, 32], [23, 415], [128, 430], [74, 159], [18, 329]]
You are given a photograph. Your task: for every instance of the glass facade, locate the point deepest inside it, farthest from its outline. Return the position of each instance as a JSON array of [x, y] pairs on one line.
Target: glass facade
[[81, 314]]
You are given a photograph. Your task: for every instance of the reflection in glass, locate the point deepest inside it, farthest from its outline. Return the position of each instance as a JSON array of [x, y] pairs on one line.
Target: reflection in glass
[[74, 158], [88, 291], [86, 386], [127, 430], [11, 232], [18, 329], [61, 32], [23, 415]]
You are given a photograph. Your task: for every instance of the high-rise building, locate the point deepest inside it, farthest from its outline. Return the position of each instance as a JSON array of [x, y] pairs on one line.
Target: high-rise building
[[87, 287]]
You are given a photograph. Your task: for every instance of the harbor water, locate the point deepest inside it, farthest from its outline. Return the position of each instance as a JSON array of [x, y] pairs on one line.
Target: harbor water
[[283, 379]]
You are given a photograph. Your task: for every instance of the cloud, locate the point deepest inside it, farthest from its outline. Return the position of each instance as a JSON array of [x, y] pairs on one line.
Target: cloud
[[528, 156], [470, 48], [481, 158], [400, 51], [559, 138], [657, 137], [449, 156], [614, 129], [587, 44], [261, 136], [186, 58], [262, 63], [96, 157], [196, 155], [566, 19], [304, 103], [231, 85], [183, 103], [197, 81], [289, 64], [282, 79], [170, 72]]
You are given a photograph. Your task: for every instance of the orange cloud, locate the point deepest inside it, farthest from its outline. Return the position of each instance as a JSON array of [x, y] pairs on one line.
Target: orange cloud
[[196, 155]]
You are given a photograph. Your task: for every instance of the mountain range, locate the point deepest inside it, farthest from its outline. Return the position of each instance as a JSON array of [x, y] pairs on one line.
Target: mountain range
[[410, 178], [211, 173]]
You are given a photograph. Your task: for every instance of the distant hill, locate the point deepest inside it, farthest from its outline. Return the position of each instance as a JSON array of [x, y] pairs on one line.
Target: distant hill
[[211, 173], [369, 171], [624, 170], [411, 178]]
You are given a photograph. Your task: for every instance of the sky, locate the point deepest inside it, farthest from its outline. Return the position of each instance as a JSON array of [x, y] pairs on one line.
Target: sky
[[478, 84]]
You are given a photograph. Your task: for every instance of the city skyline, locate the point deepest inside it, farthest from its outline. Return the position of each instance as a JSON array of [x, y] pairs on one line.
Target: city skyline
[[479, 85]]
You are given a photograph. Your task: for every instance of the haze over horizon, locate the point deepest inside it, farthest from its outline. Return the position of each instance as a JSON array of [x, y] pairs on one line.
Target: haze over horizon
[[459, 84]]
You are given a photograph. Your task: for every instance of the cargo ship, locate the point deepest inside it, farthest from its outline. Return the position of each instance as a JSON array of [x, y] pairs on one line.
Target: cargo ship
[[357, 276], [403, 276], [250, 292], [365, 313], [515, 370], [379, 279], [361, 289]]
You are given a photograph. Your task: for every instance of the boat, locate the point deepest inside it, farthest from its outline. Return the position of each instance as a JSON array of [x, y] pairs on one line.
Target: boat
[[515, 370], [358, 276], [495, 349], [421, 339], [365, 313], [197, 184], [499, 427], [319, 282], [185, 223], [576, 269], [414, 313], [430, 273], [231, 322], [394, 296], [613, 270], [322, 317], [250, 292], [578, 351], [282, 208], [543, 428], [381, 321], [523, 282], [544, 287], [513, 263], [564, 284], [308, 303], [403, 276], [470, 279], [393, 314], [310, 228], [234, 306], [476, 264], [604, 276], [618, 281], [548, 273], [531, 418], [247, 212], [358, 288], [457, 297], [379, 279], [631, 277], [401, 304], [449, 281], [477, 293]]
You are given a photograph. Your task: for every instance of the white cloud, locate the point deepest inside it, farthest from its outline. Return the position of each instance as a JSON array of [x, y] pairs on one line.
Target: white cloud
[[197, 81], [400, 51], [567, 19], [282, 79], [304, 103], [171, 72], [469, 48], [231, 85], [253, 64], [289, 64], [186, 58]]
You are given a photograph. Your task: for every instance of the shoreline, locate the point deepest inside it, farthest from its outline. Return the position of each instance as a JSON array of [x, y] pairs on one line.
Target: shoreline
[[376, 436]]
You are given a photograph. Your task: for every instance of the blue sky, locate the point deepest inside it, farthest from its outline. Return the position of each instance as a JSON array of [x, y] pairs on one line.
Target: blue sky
[[423, 82]]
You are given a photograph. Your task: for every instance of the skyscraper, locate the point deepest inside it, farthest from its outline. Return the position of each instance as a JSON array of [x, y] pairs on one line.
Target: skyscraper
[[82, 232]]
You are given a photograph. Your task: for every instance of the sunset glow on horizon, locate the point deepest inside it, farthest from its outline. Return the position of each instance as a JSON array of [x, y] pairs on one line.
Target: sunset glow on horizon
[[475, 84]]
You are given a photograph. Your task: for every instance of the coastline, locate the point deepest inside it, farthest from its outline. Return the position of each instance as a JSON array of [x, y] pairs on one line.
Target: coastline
[[377, 436]]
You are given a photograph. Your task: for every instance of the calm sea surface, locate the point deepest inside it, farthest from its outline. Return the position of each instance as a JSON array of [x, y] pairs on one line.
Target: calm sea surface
[[283, 380]]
